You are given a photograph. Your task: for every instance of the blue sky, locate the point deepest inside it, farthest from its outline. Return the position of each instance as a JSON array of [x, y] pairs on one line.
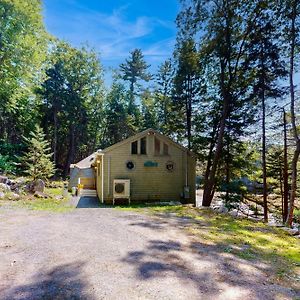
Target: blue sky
[[115, 27]]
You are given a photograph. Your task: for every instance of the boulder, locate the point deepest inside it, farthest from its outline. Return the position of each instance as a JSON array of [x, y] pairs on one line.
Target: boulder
[[3, 179], [4, 188], [13, 196], [291, 231], [38, 186], [2, 195]]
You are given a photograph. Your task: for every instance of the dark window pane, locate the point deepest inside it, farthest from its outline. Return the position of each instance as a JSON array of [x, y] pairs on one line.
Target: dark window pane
[[157, 146], [144, 145], [134, 147]]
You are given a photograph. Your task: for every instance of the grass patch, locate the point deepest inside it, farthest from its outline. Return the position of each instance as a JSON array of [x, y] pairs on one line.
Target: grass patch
[[246, 239], [53, 191], [55, 202], [49, 204]]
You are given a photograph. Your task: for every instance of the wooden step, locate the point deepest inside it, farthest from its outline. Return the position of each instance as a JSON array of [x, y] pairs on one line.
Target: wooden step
[[88, 193]]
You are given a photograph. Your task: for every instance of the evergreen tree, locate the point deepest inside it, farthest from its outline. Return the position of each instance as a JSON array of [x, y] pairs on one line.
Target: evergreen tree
[[267, 67], [187, 85], [37, 160], [117, 125], [291, 19], [149, 113], [163, 97], [72, 104], [223, 33], [133, 71]]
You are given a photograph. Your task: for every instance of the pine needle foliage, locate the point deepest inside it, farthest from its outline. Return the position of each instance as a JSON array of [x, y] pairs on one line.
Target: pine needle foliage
[[38, 160]]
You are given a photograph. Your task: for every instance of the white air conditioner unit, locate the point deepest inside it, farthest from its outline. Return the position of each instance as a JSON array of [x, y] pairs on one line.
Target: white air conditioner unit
[[121, 189]]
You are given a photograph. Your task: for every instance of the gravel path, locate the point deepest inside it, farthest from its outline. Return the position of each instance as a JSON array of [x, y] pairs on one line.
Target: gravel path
[[104, 253]]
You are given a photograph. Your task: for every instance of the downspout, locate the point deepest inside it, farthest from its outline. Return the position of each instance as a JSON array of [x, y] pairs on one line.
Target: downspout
[[102, 179], [108, 171]]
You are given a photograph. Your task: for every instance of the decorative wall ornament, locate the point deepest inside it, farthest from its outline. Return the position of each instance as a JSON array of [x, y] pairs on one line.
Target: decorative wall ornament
[[150, 163], [130, 165], [170, 166]]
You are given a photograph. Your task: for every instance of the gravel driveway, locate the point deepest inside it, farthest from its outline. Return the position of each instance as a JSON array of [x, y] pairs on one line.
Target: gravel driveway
[[104, 253]]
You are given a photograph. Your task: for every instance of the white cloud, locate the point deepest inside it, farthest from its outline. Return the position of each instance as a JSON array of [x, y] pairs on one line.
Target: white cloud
[[114, 35]]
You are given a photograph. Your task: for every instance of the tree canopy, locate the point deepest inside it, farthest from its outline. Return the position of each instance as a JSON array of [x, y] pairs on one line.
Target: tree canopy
[[221, 93]]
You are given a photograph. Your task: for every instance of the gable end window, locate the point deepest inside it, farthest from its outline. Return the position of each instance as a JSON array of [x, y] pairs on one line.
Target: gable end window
[[134, 147]]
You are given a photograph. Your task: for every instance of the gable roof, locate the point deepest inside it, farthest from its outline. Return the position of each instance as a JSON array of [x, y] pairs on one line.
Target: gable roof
[[142, 134], [86, 162]]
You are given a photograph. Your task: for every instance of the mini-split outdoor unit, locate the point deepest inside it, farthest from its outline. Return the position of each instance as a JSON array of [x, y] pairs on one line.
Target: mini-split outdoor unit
[[121, 189]]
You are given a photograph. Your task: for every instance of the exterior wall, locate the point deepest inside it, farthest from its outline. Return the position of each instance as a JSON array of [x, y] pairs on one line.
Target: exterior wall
[[87, 175], [148, 183]]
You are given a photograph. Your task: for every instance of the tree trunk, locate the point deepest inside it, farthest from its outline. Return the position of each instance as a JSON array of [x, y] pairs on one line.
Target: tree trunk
[[188, 109], [55, 137], [209, 185], [293, 117], [264, 165], [285, 174], [282, 194], [293, 184], [227, 169], [210, 152], [71, 151]]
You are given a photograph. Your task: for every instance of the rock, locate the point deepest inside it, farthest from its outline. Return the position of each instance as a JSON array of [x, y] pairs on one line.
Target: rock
[[38, 186], [291, 231], [3, 179], [221, 209], [40, 195], [14, 196], [2, 195], [4, 187], [234, 212]]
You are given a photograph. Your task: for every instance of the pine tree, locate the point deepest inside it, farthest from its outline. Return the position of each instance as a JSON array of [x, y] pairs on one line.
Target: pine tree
[[186, 85], [117, 125], [37, 160], [149, 112], [163, 97], [267, 67], [291, 17], [72, 103], [222, 32], [134, 70]]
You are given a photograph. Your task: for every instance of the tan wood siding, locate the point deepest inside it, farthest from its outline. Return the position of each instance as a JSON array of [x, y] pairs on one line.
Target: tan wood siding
[[148, 183]]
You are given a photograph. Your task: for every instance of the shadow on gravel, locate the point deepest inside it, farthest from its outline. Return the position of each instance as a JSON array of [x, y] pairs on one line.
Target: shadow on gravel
[[205, 266], [62, 282]]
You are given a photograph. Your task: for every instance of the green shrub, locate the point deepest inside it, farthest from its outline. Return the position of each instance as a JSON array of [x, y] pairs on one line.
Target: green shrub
[[7, 165], [297, 215]]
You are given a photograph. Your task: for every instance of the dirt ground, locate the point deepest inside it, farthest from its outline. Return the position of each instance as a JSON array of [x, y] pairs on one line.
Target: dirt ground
[[105, 253]]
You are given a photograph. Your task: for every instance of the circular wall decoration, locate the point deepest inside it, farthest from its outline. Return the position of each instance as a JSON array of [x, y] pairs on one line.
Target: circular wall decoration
[[130, 165], [170, 166]]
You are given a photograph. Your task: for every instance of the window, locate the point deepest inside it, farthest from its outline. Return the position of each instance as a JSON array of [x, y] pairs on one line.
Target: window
[[134, 147], [166, 149], [144, 145], [156, 146]]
